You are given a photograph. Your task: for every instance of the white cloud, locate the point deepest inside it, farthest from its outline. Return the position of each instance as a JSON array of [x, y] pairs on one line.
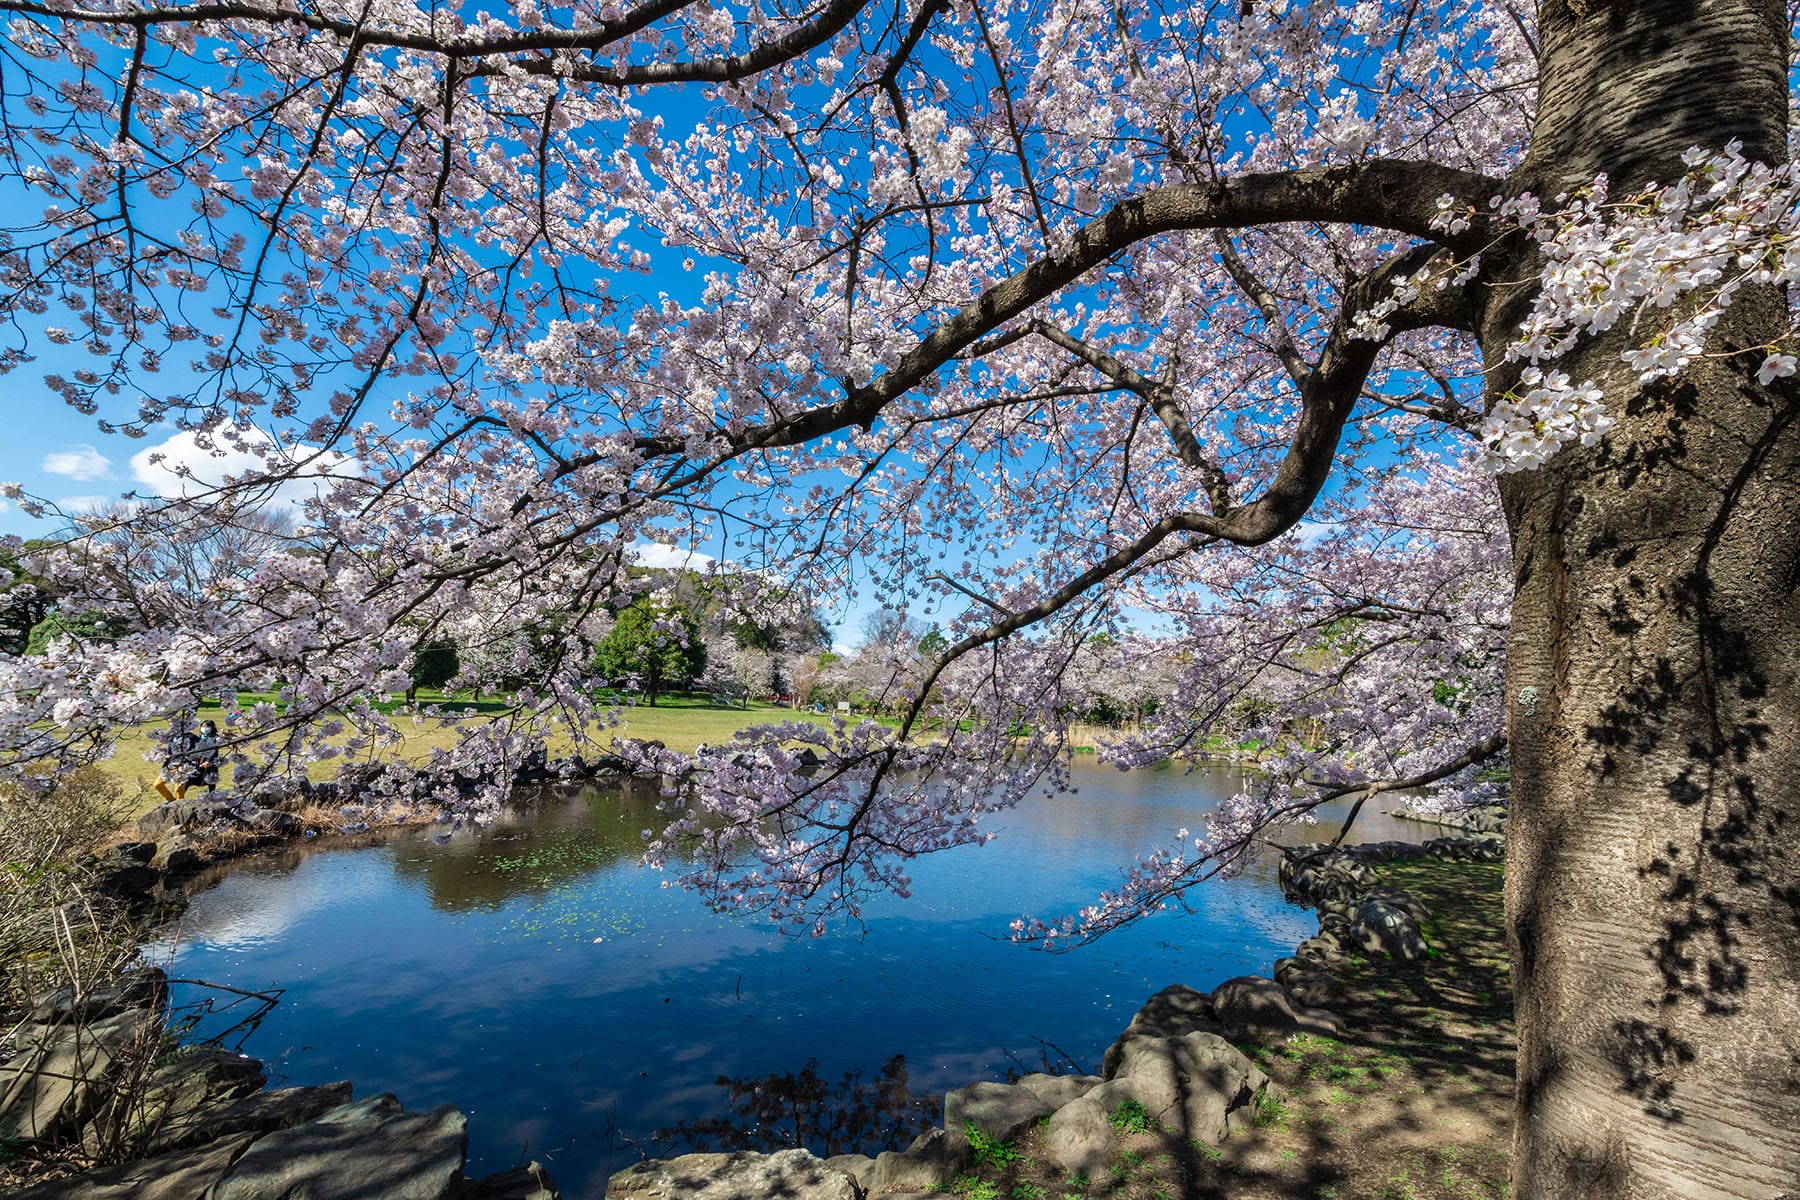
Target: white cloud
[[1311, 533], [655, 554], [81, 462], [81, 504], [180, 465]]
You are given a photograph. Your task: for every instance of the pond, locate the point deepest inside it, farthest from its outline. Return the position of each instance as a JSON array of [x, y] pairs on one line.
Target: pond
[[582, 1014]]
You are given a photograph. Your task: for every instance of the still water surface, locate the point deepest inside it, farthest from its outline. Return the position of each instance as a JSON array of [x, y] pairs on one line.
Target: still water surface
[[535, 977]]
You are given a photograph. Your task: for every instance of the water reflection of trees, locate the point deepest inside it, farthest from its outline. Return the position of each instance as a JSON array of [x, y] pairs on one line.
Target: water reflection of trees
[[850, 1116], [533, 851]]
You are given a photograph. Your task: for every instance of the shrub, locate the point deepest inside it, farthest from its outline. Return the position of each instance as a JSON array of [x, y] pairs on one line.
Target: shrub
[[60, 933]]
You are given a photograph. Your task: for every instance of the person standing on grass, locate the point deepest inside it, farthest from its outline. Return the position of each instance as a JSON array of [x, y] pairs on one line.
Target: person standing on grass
[[173, 780], [203, 760]]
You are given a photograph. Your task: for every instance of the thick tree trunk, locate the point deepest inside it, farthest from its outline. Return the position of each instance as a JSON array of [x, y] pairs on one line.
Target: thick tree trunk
[[1653, 874]]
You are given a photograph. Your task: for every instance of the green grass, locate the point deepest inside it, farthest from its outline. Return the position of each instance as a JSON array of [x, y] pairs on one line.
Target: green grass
[[680, 722], [1129, 1118], [988, 1151], [1270, 1113], [971, 1187]]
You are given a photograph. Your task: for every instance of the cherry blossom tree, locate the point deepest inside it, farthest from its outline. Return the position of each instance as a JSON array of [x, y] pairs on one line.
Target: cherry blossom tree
[[1028, 316]]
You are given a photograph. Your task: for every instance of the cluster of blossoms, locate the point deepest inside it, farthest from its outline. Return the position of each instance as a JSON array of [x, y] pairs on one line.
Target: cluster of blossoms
[[1363, 655], [1664, 265]]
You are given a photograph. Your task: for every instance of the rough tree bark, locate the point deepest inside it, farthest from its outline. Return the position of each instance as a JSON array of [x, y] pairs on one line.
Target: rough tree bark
[[1653, 878]]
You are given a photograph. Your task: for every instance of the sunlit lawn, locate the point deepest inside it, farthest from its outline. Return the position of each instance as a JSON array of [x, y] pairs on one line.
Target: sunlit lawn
[[680, 722]]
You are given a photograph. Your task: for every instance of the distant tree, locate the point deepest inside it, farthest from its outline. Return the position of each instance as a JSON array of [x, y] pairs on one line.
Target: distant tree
[[83, 627], [434, 664], [162, 565], [752, 667], [25, 599], [651, 646]]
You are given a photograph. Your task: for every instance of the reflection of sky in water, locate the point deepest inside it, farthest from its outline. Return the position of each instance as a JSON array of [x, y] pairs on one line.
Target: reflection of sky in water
[[535, 978]]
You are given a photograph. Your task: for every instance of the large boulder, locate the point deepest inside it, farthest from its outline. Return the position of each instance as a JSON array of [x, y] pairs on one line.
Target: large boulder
[[1058, 1090], [181, 1175], [787, 1174], [260, 1112], [1079, 1138], [1381, 926], [1307, 982], [999, 1110], [1175, 1010], [60, 1075], [1190, 1085], [1323, 949], [145, 988], [177, 1092], [175, 854], [369, 1150], [1309, 874], [184, 815], [931, 1163], [1253, 1009]]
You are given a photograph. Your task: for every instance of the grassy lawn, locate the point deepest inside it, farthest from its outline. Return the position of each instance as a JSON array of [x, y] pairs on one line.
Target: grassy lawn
[[680, 722]]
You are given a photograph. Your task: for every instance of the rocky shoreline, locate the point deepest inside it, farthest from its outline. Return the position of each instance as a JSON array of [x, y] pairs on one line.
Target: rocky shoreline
[[90, 1072], [218, 1134]]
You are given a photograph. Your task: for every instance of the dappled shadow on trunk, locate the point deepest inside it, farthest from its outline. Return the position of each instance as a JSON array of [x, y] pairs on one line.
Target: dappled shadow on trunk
[[1656, 902]]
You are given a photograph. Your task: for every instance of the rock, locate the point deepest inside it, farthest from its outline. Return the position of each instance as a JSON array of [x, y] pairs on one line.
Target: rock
[[1307, 982], [369, 1150], [261, 1112], [1170, 1013], [931, 1163], [1403, 900], [177, 1092], [1324, 948], [130, 882], [1080, 1139], [529, 1182], [273, 822], [1058, 1090], [183, 1175], [859, 1167], [1382, 927], [1312, 873], [1253, 1009], [175, 854], [787, 1174], [147, 987], [1190, 1085], [1000, 1110], [184, 815], [60, 1073], [130, 852], [1383, 851]]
